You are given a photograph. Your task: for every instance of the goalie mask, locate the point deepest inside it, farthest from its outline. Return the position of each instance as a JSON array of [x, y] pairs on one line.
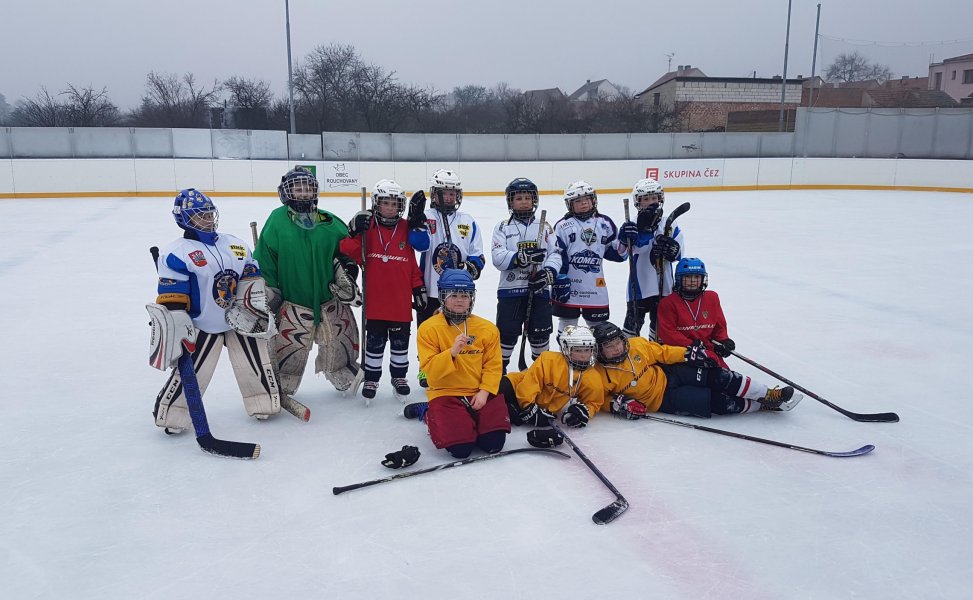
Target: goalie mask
[[578, 346], [578, 192], [195, 213], [456, 284], [298, 190], [691, 278], [520, 190], [612, 345], [388, 202], [445, 191], [648, 197]]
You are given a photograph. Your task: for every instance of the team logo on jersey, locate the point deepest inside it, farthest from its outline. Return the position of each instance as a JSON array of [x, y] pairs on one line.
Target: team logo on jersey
[[238, 251], [445, 256], [464, 230], [586, 261], [600, 282], [431, 224], [588, 236], [511, 276], [198, 258], [705, 314], [637, 358], [224, 288], [470, 339], [402, 245]]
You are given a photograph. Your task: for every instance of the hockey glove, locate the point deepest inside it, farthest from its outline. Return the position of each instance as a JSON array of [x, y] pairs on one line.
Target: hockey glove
[[544, 438], [724, 347], [561, 289], [405, 457], [472, 268], [420, 298], [697, 356], [344, 288], [533, 416], [417, 210], [274, 299], [541, 279], [627, 408], [360, 223], [576, 415], [649, 218], [629, 233], [530, 256], [664, 248]]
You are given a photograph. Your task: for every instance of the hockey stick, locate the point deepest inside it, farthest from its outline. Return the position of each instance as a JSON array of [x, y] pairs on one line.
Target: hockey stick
[[888, 417], [615, 509], [360, 375], [455, 463], [522, 360], [858, 452], [631, 271], [194, 401], [289, 404]]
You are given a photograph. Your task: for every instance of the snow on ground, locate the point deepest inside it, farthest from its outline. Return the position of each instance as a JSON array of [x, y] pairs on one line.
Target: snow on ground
[[859, 296]]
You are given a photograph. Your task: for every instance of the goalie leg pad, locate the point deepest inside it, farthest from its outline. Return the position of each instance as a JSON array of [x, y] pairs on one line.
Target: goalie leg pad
[[249, 313], [292, 345], [170, 405], [338, 345], [171, 331], [254, 370]]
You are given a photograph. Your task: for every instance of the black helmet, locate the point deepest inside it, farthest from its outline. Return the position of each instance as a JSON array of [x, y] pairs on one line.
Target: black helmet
[[522, 184], [607, 332]]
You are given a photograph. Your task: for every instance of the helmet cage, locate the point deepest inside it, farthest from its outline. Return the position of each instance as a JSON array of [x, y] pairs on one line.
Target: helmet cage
[[193, 211], [453, 316], [298, 190], [574, 337]]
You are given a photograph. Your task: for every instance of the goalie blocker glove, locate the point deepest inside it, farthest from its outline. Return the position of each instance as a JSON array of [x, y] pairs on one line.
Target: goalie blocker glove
[[544, 438], [541, 279], [399, 459], [627, 408]]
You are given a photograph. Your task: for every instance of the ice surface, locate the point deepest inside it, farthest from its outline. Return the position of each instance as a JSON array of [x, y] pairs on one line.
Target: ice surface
[[863, 297]]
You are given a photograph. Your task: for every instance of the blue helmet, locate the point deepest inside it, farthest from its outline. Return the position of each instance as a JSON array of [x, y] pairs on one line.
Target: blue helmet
[[456, 281], [522, 184], [690, 266], [196, 213]]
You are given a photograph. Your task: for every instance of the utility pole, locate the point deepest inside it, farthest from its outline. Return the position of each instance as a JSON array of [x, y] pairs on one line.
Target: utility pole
[[669, 55], [290, 71], [783, 83], [814, 59]]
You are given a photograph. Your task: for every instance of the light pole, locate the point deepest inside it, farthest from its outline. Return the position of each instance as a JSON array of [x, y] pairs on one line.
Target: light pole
[[783, 83], [290, 71]]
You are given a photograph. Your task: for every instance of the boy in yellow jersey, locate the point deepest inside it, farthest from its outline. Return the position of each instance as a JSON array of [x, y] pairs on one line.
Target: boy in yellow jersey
[[460, 355], [641, 376]]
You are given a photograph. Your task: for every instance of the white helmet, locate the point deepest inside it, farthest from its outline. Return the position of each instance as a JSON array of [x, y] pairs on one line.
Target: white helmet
[[387, 188], [574, 337], [652, 189], [444, 179], [577, 191]]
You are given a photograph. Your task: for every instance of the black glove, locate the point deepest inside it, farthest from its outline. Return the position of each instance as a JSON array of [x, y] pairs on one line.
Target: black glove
[[664, 248], [530, 256], [576, 415], [533, 416], [544, 438], [405, 457], [473, 270], [649, 218], [420, 298], [697, 356], [629, 233], [724, 347], [541, 279], [359, 223], [627, 408], [417, 210]]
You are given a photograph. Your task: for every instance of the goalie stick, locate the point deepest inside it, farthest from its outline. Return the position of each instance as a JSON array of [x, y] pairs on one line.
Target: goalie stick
[[455, 463], [857, 452], [614, 510], [289, 404], [194, 401], [522, 360], [360, 375]]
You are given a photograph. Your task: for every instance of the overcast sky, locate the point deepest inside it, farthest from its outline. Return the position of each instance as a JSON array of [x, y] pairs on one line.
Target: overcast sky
[[528, 44]]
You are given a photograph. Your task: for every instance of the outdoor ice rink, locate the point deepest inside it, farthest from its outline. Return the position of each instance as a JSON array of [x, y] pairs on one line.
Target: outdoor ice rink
[[862, 297]]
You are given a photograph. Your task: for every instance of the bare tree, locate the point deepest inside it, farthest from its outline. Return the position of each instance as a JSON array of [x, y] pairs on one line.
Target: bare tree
[[4, 110], [323, 84], [44, 110], [855, 67], [248, 93], [87, 108], [171, 101]]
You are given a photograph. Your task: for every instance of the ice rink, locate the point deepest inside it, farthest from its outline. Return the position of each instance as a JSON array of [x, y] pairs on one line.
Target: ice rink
[[862, 297]]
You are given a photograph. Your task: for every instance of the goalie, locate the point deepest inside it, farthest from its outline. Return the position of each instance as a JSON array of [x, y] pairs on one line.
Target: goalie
[[211, 295]]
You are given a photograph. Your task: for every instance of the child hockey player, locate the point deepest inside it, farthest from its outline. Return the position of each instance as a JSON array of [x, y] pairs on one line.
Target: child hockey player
[[585, 238], [650, 251], [311, 285], [527, 267], [392, 277], [694, 313], [210, 295], [642, 376]]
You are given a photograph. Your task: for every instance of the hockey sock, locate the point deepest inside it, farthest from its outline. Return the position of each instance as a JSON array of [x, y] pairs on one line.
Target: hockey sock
[[538, 346], [399, 354], [507, 349]]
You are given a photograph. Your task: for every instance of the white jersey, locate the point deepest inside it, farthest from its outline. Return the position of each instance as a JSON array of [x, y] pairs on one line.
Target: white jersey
[[208, 275], [583, 245], [646, 278], [467, 244], [511, 235]]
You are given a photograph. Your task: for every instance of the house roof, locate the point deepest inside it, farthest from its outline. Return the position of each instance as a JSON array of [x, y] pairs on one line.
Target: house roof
[[910, 99], [591, 86], [912, 83], [544, 95], [691, 72], [958, 58]]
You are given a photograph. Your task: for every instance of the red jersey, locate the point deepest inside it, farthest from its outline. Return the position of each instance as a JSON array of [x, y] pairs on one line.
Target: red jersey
[[391, 271], [682, 322]]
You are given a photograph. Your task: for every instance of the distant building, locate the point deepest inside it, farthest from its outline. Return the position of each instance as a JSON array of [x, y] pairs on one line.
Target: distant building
[[596, 90], [955, 77], [704, 102], [543, 97], [907, 92]]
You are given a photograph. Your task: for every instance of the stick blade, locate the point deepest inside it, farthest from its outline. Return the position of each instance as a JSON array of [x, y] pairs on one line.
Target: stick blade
[[227, 449], [610, 512], [875, 418], [858, 452]]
